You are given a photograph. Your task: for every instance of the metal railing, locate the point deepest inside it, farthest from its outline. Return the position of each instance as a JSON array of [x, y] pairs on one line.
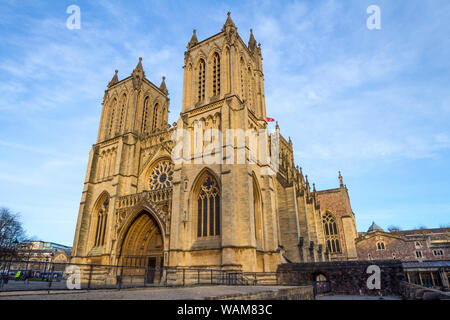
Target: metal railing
[[18, 275]]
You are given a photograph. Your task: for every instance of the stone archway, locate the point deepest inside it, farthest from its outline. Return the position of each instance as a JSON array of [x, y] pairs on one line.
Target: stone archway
[[142, 250], [321, 283]]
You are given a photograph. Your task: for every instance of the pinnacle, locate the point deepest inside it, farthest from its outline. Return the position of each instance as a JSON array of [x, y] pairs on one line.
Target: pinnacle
[[163, 86], [114, 80], [194, 40], [229, 22], [252, 42]]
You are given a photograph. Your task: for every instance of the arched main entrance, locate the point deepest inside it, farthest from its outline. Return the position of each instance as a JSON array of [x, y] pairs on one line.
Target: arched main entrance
[[142, 251]]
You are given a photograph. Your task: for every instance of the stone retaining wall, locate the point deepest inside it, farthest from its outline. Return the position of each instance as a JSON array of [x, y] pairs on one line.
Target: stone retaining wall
[[345, 277], [297, 293], [414, 292]]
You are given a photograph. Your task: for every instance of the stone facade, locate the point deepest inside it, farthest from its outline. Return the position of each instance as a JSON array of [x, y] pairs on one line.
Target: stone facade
[[34, 255], [411, 245], [337, 202], [143, 204], [425, 252]]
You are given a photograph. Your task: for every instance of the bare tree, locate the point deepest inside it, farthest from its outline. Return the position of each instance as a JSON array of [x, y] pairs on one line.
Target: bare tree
[[394, 228], [11, 230]]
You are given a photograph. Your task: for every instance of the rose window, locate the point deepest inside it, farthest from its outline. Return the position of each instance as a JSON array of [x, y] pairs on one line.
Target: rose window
[[161, 176]]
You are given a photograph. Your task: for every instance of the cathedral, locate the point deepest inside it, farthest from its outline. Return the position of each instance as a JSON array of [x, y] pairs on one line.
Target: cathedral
[[146, 203]]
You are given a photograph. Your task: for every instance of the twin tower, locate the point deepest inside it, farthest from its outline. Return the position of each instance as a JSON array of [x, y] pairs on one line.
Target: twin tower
[[142, 206]]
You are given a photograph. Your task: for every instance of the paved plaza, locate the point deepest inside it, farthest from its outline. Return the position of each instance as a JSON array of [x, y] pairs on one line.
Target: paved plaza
[[189, 293]]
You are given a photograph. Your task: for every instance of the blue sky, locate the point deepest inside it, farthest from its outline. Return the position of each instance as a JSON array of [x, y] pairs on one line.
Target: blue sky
[[374, 104]]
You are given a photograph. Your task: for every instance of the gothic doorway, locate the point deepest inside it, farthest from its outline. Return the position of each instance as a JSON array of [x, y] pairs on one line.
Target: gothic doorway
[[142, 251]]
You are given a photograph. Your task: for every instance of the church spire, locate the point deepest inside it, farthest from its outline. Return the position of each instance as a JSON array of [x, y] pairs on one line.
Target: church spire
[[163, 87], [114, 80], [252, 42], [194, 40]]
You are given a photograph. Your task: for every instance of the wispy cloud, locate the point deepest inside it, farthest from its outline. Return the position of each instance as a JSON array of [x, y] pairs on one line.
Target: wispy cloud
[[352, 99]]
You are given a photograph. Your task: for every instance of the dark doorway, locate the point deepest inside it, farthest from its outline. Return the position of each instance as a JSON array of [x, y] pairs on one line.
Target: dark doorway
[[151, 270], [321, 284]]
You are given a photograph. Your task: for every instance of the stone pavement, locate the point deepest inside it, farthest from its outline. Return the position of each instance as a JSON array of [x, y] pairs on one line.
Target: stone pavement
[[188, 293], [32, 285]]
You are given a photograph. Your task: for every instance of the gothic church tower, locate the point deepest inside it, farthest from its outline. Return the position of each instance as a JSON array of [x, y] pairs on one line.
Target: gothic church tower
[[134, 116], [223, 89], [198, 194]]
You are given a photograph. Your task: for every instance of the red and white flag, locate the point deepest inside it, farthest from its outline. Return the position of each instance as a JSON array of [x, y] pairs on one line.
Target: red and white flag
[[270, 120]]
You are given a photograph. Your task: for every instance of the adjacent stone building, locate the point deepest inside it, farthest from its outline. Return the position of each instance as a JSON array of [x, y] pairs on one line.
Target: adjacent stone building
[[425, 252], [148, 203], [35, 254], [335, 205], [410, 245]]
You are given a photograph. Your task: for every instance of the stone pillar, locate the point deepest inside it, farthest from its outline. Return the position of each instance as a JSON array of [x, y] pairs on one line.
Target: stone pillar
[[444, 278]]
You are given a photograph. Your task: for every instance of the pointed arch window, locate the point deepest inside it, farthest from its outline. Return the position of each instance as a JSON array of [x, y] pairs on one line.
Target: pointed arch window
[[122, 113], [249, 87], [102, 219], [145, 115], [243, 78], [208, 208], [201, 80], [257, 211], [331, 234], [112, 118], [155, 117], [216, 75]]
